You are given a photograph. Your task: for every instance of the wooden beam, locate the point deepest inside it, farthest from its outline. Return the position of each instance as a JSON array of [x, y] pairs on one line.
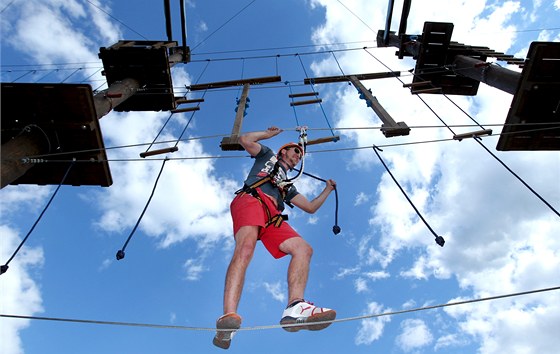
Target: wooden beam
[[328, 139], [389, 128], [232, 142], [233, 83], [343, 78]]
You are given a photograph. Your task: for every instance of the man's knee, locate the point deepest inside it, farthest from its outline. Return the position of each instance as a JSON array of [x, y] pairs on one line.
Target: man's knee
[[245, 241], [297, 246]]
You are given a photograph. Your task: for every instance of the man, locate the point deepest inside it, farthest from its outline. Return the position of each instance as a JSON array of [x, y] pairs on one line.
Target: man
[[256, 213]]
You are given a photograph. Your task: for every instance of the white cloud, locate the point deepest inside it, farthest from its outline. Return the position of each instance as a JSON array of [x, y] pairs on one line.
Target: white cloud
[[499, 235], [361, 198], [276, 290], [189, 201], [194, 268], [415, 334], [20, 292], [371, 329], [360, 285]]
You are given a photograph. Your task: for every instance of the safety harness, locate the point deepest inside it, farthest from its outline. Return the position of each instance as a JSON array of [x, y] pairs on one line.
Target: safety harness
[[277, 219]]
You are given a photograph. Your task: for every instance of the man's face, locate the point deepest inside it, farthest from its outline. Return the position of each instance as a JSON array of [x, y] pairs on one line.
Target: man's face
[[292, 156]]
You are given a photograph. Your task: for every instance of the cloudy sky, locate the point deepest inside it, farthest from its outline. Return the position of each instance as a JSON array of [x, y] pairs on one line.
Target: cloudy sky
[[500, 238]]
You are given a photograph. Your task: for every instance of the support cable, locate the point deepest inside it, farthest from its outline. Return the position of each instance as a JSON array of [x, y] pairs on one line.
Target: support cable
[[290, 129], [254, 328], [5, 267], [478, 140], [293, 106], [313, 89], [223, 25], [71, 74], [27, 73], [439, 239]]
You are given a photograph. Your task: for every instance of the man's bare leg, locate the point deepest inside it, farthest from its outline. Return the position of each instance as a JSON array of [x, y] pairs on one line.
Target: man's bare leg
[[311, 317], [245, 242], [298, 270]]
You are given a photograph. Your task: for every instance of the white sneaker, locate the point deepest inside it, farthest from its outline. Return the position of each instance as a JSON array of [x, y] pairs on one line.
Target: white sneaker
[[305, 312]]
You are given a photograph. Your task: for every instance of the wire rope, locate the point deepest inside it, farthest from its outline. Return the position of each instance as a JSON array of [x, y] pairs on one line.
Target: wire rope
[[255, 328], [554, 126], [223, 25]]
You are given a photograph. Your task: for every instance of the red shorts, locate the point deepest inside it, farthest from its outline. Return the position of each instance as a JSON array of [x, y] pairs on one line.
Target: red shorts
[[246, 210]]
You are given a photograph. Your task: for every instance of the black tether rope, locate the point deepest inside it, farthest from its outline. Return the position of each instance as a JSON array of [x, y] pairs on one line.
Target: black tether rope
[[4, 268], [439, 239], [120, 253], [478, 140], [336, 228]]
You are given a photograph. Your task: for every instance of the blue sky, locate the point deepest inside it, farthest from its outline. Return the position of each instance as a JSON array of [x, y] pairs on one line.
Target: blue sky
[[501, 239]]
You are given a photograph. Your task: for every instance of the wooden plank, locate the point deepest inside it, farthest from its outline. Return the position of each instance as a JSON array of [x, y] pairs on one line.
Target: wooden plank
[[305, 94], [300, 103], [233, 83]]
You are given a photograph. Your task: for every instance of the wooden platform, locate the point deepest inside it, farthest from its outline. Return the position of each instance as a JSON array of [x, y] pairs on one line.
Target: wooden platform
[[435, 53], [535, 108], [148, 63], [66, 115]]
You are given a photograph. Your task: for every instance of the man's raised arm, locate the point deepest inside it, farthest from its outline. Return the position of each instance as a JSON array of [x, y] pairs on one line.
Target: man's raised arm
[[249, 140]]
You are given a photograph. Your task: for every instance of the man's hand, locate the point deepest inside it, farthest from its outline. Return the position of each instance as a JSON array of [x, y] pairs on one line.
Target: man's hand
[[273, 131], [249, 140]]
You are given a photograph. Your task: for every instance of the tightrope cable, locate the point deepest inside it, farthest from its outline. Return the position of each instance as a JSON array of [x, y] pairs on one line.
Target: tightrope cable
[[253, 328]]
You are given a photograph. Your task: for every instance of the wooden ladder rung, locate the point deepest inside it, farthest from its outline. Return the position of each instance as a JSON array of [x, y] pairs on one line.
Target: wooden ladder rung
[[159, 152], [182, 100], [305, 94], [188, 109], [299, 103]]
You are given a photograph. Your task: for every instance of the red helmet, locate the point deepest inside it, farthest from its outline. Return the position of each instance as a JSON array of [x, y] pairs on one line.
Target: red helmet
[[289, 145]]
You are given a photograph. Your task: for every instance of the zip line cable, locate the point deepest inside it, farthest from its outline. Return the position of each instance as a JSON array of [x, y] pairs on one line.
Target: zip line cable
[[4, 268], [439, 239], [254, 328]]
